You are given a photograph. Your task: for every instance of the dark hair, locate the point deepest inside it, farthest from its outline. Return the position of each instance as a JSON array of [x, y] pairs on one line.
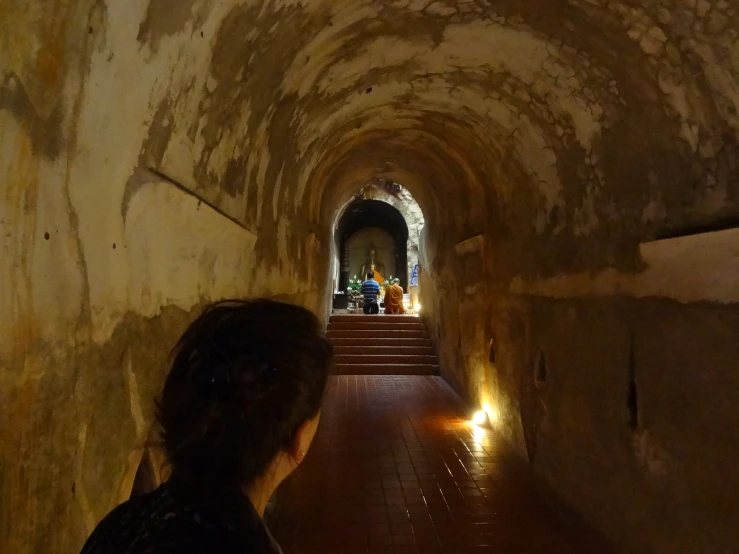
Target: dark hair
[[371, 275], [245, 376]]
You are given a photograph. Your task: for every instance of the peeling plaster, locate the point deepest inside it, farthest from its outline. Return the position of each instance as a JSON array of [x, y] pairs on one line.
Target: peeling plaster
[[567, 133]]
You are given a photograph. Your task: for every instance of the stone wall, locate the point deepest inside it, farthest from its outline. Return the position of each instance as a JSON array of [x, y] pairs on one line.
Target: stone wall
[[631, 416], [158, 154], [106, 252]]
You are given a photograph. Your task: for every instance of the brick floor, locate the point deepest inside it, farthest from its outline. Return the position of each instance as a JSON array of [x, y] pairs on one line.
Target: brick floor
[[396, 468]]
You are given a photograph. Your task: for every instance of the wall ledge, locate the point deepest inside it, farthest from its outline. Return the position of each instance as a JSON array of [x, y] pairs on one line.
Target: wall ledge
[[695, 268]]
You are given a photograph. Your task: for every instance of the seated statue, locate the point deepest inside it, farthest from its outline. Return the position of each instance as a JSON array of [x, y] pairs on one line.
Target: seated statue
[[373, 265]]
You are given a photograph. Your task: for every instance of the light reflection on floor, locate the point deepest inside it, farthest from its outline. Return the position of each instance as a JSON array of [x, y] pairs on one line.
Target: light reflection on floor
[[397, 467]]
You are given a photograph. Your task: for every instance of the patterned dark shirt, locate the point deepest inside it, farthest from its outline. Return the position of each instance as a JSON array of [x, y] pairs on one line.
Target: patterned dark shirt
[[176, 519]]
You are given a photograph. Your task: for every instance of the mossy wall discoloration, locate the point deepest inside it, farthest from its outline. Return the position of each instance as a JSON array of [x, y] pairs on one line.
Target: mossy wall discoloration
[[166, 18], [157, 155]]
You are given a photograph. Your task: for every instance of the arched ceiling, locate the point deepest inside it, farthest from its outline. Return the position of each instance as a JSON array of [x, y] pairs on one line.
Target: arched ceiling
[[549, 121], [545, 139], [373, 213]]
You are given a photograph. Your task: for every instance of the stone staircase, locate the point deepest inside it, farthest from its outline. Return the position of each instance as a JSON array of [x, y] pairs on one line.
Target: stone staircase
[[381, 345]]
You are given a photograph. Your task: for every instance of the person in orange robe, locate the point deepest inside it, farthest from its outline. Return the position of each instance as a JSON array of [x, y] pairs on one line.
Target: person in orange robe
[[394, 298]]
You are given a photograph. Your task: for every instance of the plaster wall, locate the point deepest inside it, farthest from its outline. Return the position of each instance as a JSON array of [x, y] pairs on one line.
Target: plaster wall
[[104, 260]]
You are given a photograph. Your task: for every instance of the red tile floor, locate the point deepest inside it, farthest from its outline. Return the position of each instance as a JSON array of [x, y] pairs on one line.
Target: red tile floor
[[395, 468]]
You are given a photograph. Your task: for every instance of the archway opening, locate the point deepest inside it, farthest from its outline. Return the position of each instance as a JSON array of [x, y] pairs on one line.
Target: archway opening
[[372, 231], [379, 229]]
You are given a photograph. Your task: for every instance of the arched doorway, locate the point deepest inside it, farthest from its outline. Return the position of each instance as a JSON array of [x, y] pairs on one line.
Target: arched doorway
[[372, 225]]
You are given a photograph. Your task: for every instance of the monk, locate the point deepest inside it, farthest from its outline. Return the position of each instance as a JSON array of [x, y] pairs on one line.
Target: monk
[[394, 298]]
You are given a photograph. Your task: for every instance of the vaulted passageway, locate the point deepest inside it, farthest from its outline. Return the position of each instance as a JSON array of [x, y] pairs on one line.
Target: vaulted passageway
[[575, 162]]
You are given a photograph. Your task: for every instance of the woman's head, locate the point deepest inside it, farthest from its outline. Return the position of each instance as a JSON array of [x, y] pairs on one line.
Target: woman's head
[[247, 378]]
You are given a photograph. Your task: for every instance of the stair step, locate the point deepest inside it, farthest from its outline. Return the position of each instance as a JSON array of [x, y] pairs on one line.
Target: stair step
[[380, 333], [353, 349], [381, 345], [372, 318], [385, 359], [375, 326], [386, 369], [386, 342]]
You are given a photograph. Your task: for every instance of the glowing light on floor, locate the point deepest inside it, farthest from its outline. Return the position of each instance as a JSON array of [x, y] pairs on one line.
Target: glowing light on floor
[[478, 433], [482, 421], [417, 308], [478, 423]]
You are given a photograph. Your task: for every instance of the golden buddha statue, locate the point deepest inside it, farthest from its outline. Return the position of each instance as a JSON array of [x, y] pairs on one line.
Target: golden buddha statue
[[373, 265]]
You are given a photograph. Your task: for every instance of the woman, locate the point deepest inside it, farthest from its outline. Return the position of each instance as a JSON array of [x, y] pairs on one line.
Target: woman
[[239, 410]]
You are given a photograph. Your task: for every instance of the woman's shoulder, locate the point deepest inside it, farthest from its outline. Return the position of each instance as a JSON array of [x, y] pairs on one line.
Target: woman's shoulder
[[157, 523], [150, 523]]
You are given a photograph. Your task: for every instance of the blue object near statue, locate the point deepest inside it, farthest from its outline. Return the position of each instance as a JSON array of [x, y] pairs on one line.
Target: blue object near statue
[[414, 276]]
